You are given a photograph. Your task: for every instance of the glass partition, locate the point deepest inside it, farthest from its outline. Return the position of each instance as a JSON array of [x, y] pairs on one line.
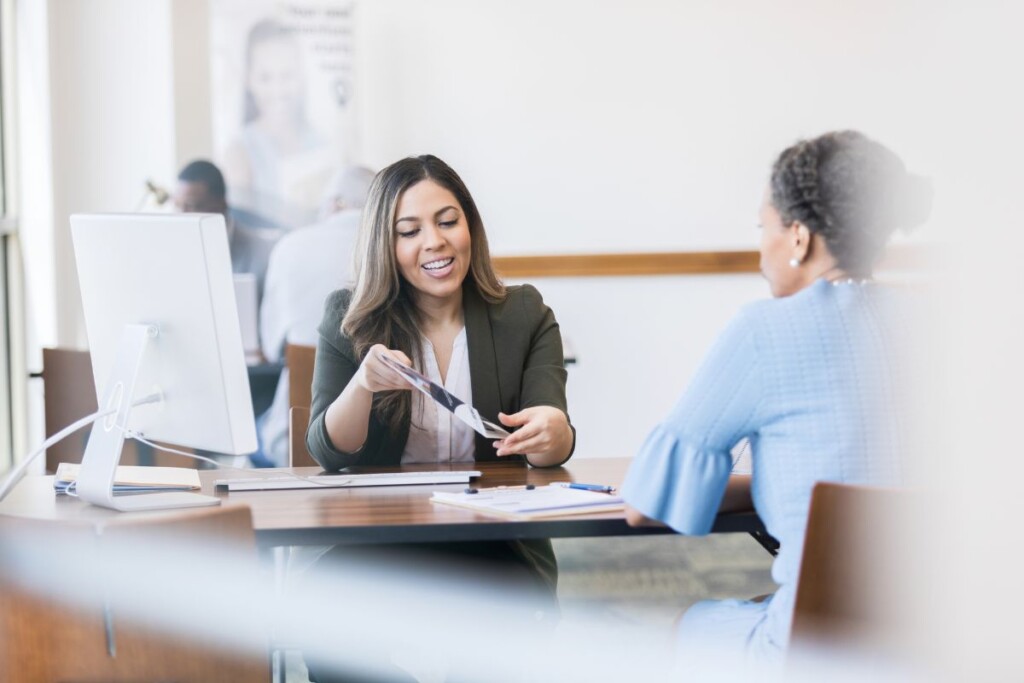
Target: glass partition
[[7, 226]]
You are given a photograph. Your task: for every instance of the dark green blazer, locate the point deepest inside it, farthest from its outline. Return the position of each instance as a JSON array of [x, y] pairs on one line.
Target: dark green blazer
[[515, 362]]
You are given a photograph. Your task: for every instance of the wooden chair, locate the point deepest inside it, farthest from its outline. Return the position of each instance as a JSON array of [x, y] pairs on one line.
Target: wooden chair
[[43, 640], [69, 394], [851, 576], [298, 455], [299, 360]]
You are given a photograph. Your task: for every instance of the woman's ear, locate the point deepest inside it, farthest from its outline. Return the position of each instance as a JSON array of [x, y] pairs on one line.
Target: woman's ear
[[801, 241]]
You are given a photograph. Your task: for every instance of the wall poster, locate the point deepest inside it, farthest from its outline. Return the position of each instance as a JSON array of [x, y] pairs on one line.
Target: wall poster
[[282, 103]]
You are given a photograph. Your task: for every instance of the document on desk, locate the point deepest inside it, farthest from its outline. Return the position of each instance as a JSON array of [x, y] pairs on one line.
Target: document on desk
[[135, 478], [531, 503], [459, 408]]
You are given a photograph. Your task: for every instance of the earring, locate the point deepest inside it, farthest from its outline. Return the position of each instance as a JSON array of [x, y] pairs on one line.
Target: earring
[[794, 263]]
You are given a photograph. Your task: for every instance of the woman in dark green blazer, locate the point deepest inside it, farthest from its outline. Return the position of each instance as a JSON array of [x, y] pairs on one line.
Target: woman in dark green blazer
[[426, 295], [423, 278], [515, 360]]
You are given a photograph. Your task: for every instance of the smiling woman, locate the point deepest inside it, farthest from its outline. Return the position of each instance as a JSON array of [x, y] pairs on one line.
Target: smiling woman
[[426, 295], [433, 244]]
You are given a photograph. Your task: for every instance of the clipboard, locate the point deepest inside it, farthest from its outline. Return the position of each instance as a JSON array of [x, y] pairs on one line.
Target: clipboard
[[450, 402]]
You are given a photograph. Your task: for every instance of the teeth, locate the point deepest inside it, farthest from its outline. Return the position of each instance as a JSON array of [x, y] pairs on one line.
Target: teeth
[[435, 265]]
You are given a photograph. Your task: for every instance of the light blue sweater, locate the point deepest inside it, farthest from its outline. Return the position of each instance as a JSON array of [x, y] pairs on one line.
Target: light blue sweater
[[814, 382]]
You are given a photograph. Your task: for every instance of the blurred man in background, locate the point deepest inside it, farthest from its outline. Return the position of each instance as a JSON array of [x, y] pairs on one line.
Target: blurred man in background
[[305, 266], [201, 189]]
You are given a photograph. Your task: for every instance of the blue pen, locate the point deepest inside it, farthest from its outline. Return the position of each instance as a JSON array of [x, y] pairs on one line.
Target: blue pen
[[601, 488]]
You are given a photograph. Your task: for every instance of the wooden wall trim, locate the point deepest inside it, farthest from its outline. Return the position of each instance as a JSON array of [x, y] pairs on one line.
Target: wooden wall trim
[[905, 258], [654, 263]]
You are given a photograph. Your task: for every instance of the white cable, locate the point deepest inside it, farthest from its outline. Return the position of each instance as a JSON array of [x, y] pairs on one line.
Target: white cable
[[129, 434], [248, 470], [15, 475]]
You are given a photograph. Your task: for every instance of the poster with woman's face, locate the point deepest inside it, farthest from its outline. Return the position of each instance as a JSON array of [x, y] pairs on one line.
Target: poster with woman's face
[[282, 103]]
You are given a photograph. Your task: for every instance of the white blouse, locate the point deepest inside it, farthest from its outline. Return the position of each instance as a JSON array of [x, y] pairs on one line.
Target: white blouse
[[435, 435]]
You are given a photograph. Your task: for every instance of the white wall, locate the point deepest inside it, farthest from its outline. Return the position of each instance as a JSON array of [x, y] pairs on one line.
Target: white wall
[[649, 125], [111, 121], [580, 126], [637, 341], [96, 118], [587, 126]]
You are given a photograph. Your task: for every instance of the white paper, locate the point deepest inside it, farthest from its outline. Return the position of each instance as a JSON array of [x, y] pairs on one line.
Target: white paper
[[543, 501]]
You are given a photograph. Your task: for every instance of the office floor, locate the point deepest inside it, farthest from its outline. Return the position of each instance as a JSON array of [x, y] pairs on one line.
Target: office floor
[[643, 581]]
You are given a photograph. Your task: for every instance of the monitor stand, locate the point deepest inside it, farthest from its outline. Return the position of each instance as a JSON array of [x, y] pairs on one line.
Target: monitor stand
[[99, 465]]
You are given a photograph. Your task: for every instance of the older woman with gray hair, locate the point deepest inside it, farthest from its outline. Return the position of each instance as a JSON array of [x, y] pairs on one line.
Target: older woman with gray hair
[[815, 378]]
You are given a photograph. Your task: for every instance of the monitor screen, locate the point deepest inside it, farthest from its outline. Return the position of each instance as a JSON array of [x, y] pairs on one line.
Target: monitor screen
[[170, 275]]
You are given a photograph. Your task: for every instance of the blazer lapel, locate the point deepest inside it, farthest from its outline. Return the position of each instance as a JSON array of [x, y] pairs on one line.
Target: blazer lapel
[[483, 364]]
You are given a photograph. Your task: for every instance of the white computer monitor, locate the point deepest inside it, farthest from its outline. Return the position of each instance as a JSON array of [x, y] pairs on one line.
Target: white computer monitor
[[161, 318]]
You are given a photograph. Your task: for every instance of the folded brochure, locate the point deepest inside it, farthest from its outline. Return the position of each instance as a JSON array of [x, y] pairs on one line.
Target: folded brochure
[[136, 478], [522, 503], [462, 410]]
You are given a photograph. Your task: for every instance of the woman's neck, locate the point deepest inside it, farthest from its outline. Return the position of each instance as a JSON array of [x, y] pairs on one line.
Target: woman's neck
[[836, 274], [438, 314]]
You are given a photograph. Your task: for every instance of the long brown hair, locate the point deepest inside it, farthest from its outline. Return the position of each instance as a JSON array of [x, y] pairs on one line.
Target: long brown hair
[[382, 309]]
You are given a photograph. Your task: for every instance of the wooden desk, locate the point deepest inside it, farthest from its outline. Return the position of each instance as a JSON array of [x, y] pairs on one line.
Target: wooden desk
[[400, 514]]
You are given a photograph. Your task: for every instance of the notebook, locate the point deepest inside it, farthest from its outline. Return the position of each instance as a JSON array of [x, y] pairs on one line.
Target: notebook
[[522, 503], [135, 478]]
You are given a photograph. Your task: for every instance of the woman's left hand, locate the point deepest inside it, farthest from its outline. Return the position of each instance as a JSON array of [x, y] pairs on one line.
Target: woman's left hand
[[543, 436]]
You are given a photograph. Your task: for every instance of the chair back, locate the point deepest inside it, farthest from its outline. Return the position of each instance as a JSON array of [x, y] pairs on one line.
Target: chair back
[[43, 640], [851, 578], [300, 359], [69, 394], [298, 455]]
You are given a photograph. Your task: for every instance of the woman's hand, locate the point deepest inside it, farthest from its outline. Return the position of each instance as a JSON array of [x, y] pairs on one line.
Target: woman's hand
[[544, 435], [373, 375]]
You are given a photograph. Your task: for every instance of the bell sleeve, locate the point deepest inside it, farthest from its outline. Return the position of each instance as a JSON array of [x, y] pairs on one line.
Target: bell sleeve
[[680, 473]]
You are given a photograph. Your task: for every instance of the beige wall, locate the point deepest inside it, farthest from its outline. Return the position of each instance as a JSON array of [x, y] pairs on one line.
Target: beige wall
[[579, 126], [111, 125]]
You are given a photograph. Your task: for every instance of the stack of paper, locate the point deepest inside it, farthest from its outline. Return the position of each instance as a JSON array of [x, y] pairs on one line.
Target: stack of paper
[[132, 478], [523, 503]]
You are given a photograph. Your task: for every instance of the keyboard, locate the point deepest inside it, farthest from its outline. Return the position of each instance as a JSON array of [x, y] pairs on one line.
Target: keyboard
[[273, 482]]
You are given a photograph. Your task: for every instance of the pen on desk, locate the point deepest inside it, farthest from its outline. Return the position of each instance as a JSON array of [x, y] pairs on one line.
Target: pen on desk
[[527, 487], [588, 487]]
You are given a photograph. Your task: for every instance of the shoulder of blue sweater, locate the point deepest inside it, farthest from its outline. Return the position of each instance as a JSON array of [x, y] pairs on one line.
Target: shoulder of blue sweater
[[812, 293]]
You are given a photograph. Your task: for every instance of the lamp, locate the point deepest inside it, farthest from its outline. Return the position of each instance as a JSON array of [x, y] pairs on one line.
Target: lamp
[[159, 195]]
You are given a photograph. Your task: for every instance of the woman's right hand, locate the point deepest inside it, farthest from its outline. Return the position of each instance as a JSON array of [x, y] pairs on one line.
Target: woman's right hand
[[374, 375]]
